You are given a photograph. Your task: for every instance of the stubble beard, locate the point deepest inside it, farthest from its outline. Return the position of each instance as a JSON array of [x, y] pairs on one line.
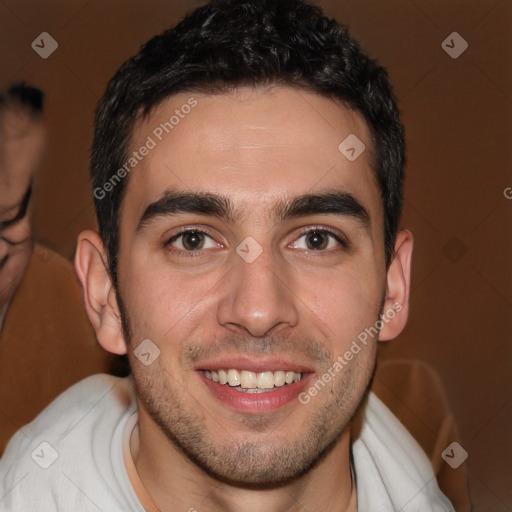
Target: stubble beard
[[270, 458], [268, 462]]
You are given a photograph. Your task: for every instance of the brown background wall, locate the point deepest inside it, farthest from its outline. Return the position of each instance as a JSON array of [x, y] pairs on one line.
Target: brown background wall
[[457, 114]]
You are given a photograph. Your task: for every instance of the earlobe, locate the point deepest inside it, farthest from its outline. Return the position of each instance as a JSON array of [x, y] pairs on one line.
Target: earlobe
[[396, 304], [99, 294]]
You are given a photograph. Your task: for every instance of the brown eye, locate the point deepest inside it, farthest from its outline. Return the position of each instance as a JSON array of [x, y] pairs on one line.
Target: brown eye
[[317, 240], [193, 240]]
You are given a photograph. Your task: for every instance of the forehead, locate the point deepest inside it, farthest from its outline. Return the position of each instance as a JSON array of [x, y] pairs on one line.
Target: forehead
[[255, 145]]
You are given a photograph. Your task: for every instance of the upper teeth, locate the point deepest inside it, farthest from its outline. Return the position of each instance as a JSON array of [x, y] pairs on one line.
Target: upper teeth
[[252, 380]]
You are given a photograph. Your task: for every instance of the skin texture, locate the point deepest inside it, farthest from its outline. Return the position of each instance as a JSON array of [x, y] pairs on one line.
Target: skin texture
[[259, 148], [22, 144]]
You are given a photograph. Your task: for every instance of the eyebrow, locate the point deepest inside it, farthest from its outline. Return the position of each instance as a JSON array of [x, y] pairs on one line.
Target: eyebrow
[[329, 202]]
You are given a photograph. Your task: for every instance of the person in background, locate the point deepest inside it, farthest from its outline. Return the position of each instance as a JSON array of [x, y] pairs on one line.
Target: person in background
[[46, 341], [23, 137]]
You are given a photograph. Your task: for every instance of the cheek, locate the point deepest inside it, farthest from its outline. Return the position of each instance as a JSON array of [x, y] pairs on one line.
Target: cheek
[[344, 304], [12, 273], [163, 303]]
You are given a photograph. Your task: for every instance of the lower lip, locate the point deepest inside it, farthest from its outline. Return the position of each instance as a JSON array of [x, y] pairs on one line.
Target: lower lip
[[256, 403]]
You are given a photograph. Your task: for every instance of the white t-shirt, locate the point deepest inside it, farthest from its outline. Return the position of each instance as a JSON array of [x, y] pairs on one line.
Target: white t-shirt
[[70, 458]]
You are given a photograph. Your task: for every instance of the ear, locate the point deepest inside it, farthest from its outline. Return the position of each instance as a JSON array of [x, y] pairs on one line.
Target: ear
[[398, 281], [99, 293]]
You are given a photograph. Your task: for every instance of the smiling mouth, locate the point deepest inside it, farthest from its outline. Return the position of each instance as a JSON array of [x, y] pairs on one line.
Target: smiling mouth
[[253, 382]]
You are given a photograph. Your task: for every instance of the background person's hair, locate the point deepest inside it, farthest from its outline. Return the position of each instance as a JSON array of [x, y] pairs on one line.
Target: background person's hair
[[232, 43], [26, 96]]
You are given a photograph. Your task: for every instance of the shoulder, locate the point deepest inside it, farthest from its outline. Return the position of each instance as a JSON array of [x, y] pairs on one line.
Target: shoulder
[[96, 397], [391, 466], [71, 450]]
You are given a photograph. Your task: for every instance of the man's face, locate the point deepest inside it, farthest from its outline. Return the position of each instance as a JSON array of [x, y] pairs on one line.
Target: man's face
[[245, 246], [22, 143]]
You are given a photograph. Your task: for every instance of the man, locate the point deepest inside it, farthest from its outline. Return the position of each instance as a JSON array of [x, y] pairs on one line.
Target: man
[[41, 305], [248, 170], [22, 143]]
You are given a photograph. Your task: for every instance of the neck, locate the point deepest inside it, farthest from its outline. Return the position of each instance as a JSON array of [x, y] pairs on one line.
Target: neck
[[173, 482]]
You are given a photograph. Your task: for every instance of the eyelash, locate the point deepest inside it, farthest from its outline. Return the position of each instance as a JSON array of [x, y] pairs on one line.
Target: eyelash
[[184, 231], [194, 254], [319, 229]]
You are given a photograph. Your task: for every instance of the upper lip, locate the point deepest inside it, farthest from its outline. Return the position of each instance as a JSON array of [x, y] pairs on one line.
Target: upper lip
[[253, 364]]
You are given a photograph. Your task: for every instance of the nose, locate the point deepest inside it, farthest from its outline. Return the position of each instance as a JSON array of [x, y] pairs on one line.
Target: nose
[[256, 298]]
